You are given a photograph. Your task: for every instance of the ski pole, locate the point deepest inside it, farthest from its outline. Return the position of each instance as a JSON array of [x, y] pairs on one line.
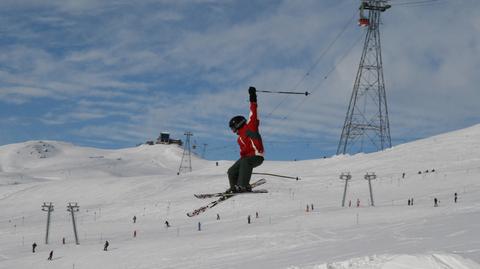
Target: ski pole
[[286, 92], [268, 174]]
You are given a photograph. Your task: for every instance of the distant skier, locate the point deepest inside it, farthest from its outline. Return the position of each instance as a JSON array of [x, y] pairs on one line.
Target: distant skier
[[34, 246], [455, 198], [134, 219], [435, 202], [50, 256], [251, 147], [167, 224], [105, 247]]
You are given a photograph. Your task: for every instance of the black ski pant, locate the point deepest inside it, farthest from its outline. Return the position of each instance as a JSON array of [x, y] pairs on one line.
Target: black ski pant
[[241, 171]]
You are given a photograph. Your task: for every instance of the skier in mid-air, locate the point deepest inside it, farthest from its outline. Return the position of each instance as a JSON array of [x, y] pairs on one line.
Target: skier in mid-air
[[251, 147]]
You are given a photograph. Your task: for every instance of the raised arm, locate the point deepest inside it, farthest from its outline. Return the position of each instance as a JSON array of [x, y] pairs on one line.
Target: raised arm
[[253, 117]]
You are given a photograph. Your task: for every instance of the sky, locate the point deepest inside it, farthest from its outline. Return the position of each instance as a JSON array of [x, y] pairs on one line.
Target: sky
[[113, 73]]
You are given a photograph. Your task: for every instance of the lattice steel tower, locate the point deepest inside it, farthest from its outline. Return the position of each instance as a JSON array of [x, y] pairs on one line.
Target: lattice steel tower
[[186, 162], [366, 126]]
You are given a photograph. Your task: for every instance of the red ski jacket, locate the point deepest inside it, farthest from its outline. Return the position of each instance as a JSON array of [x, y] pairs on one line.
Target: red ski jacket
[[249, 138]]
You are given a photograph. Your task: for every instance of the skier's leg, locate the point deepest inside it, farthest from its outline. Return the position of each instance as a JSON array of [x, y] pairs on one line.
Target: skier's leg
[[244, 171], [255, 162], [233, 173], [246, 167]]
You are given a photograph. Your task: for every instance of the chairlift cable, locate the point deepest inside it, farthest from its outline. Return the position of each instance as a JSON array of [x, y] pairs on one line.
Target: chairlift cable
[[316, 87], [312, 67]]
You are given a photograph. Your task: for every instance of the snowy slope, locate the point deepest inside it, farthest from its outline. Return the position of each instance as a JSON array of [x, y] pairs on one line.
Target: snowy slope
[[111, 186]]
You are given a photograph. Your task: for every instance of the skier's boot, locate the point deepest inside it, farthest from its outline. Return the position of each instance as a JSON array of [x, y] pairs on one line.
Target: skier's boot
[[233, 189], [247, 188]]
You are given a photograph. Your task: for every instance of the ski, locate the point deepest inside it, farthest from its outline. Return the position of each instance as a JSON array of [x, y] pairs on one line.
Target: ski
[[218, 194], [222, 198]]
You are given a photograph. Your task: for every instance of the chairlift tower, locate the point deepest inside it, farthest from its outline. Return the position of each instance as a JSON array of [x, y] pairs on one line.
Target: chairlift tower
[[73, 207], [186, 162], [370, 177], [345, 176], [49, 209], [366, 126]]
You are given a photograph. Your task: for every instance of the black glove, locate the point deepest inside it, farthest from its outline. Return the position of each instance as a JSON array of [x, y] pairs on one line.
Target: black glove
[[253, 94]]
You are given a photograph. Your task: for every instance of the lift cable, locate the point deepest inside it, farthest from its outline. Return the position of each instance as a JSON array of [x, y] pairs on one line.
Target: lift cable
[[317, 86], [315, 64]]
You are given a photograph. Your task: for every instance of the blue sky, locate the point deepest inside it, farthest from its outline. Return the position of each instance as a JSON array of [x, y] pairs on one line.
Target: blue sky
[[112, 74]]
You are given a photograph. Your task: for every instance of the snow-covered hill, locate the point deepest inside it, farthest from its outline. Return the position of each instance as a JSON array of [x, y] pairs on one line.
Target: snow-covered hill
[[112, 186]]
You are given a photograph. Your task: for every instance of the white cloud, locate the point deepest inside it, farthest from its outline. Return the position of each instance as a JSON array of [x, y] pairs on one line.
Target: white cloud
[[172, 65]]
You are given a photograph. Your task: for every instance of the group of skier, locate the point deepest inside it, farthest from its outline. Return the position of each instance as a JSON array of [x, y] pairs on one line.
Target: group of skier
[[50, 255], [436, 201]]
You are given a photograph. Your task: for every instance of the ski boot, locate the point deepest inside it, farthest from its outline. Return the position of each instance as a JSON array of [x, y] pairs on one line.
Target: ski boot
[[232, 189], [247, 188]]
